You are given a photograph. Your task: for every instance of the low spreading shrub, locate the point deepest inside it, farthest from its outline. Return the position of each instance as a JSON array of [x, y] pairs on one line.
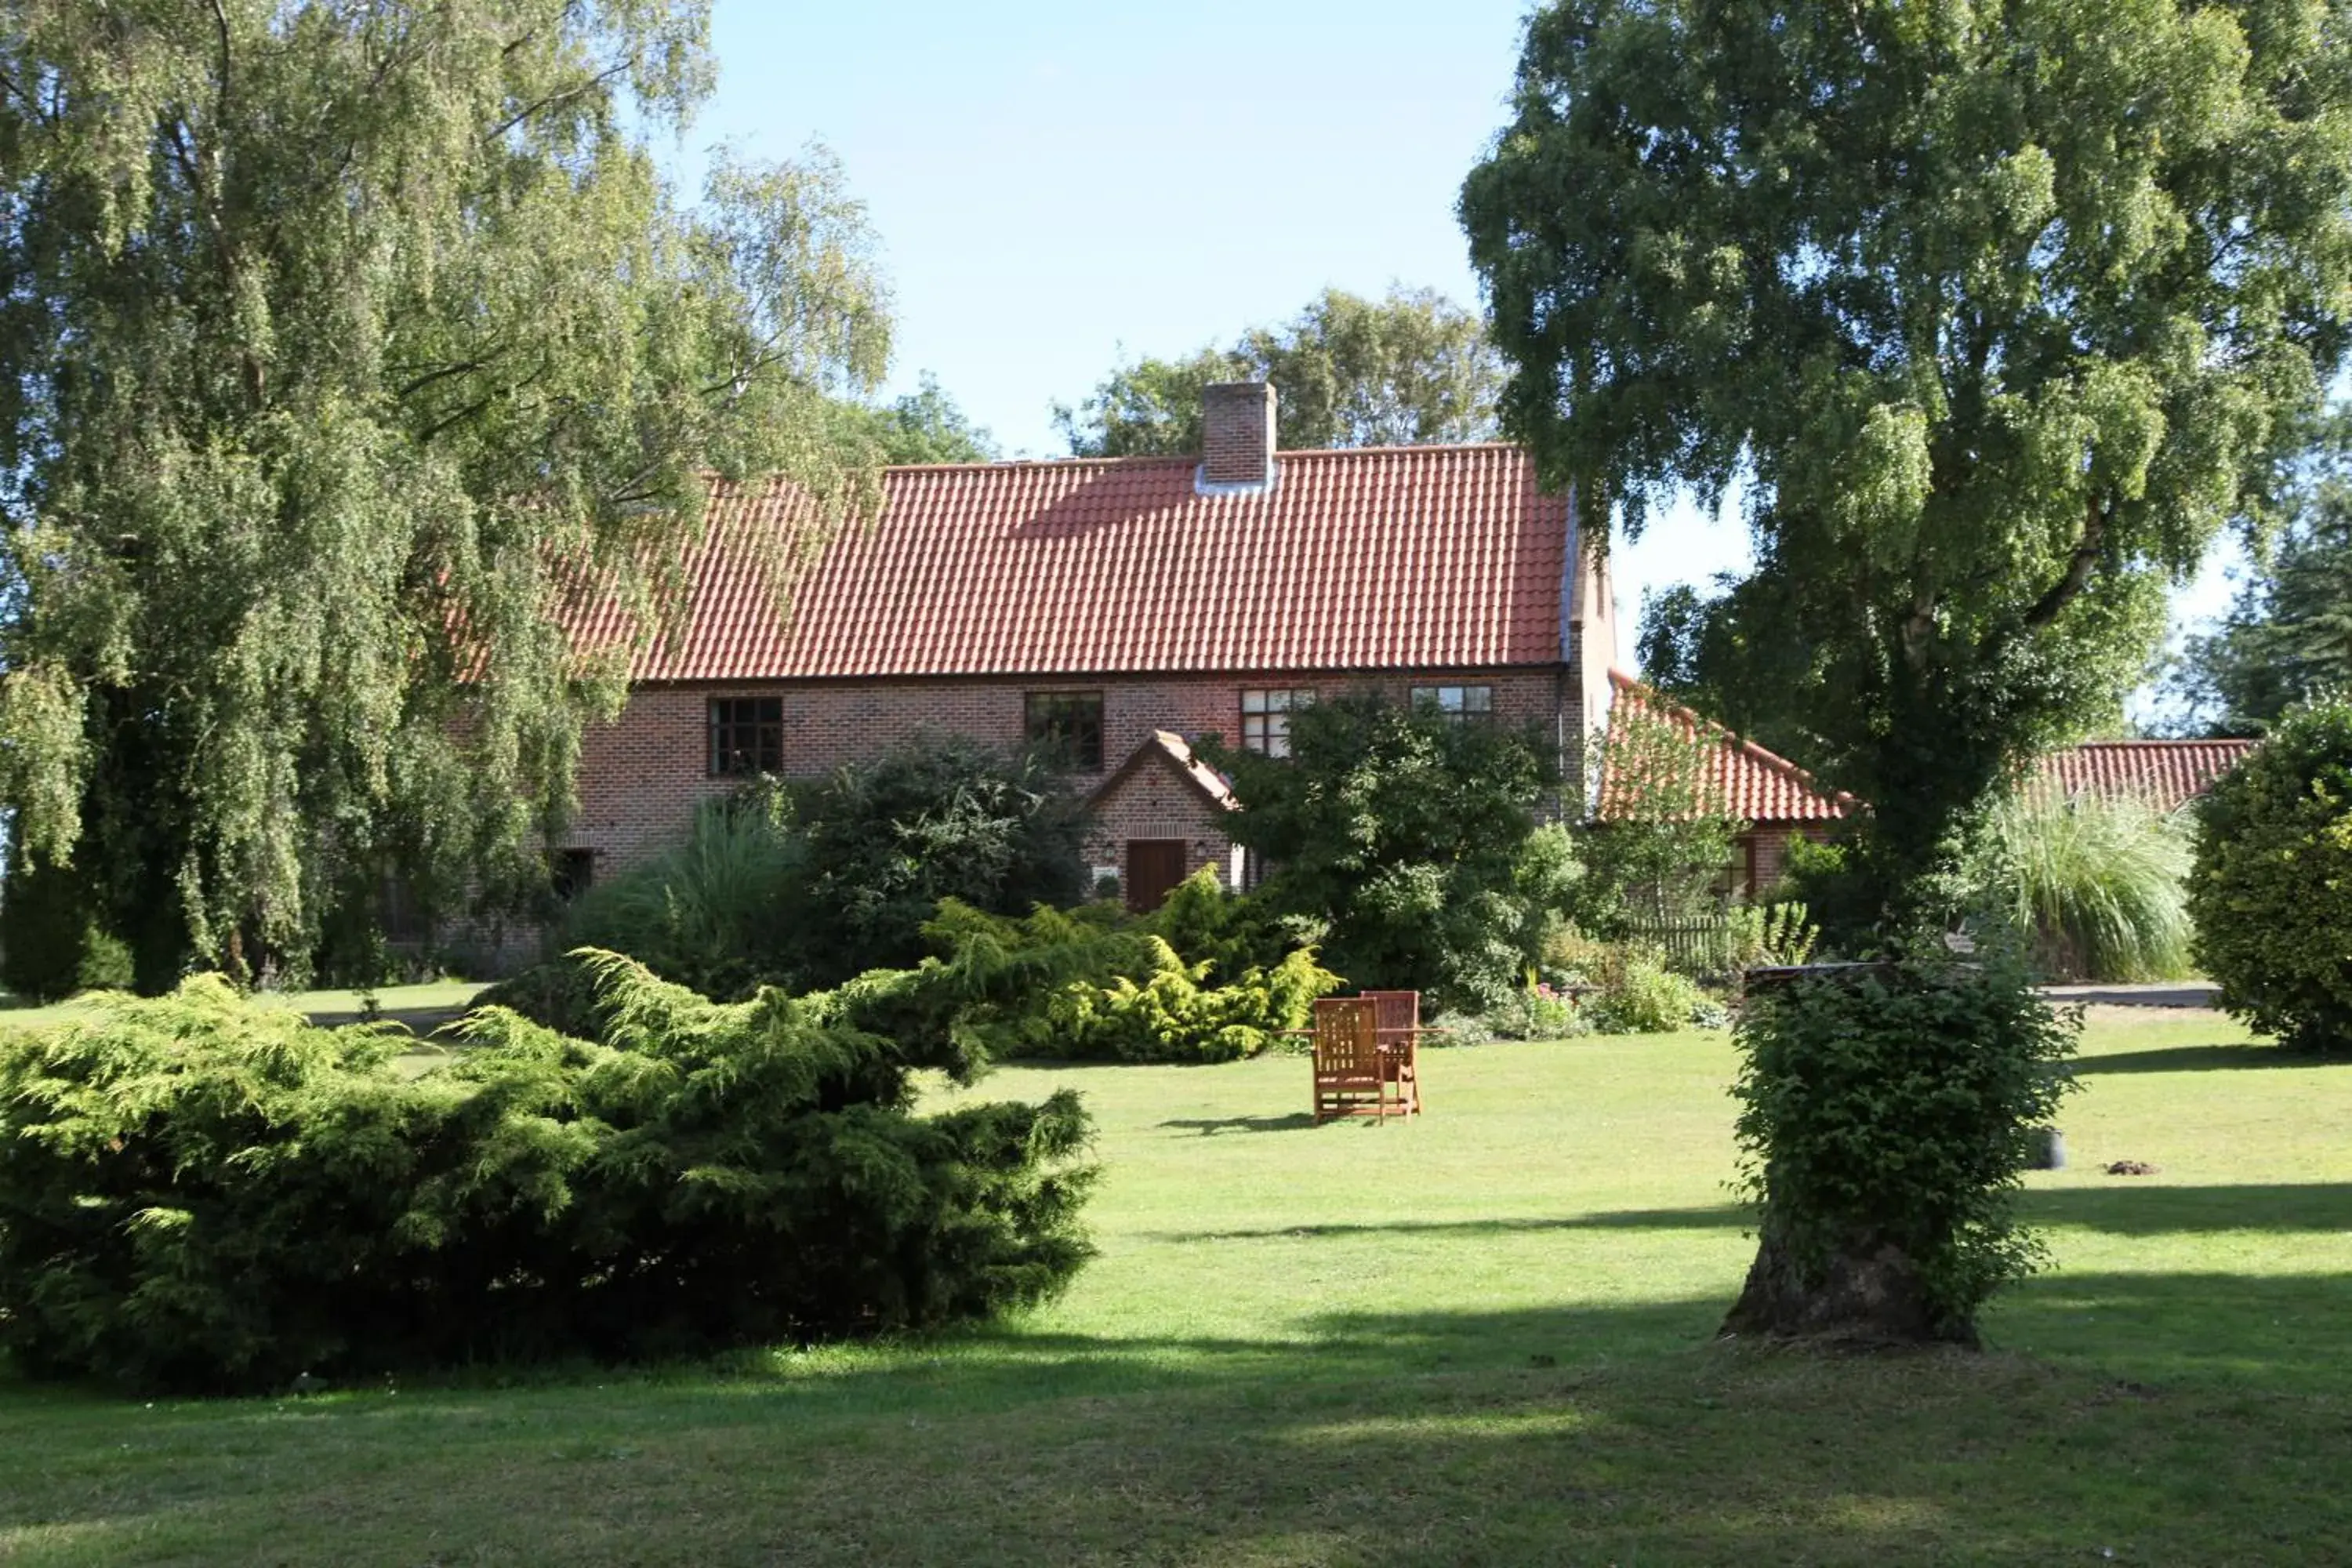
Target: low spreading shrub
[[2271, 893], [203, 1193], [1628, 989], [1133, 996], [1886, 1115]]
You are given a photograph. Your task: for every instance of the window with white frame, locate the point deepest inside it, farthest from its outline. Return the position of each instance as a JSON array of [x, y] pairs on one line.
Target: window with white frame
[[1266, 717], [1456, 701]]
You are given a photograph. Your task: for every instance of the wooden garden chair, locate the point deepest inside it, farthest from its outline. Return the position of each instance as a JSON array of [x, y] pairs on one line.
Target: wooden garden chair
[[1350, 1069], [1401, 1031]]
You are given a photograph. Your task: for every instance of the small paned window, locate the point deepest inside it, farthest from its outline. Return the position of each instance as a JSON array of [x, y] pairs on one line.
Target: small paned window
[[746, 736], [1068, 725], [1456, 701], [1266, 718]]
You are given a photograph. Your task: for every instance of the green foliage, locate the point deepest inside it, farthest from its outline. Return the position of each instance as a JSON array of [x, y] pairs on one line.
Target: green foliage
[[1779, 934], [344, 342], [1892, 1106], [709, 913], [2288, 638], [884, 841], [1410, 369], [1664, 832], [2096, 883], [1132, 994], [1640, 994], [49, 935], [1998, 313], [2271, 889], [207, 1194], [1526, 1014], [924, 427], [1413, 838]]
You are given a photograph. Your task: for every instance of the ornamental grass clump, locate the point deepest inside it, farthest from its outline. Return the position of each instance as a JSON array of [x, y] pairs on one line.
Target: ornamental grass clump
[[1886, 1113], [2098, 883], [202, 1193]]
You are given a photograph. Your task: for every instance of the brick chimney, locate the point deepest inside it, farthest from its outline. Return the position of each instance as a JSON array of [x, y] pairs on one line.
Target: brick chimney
[[1236, 434]]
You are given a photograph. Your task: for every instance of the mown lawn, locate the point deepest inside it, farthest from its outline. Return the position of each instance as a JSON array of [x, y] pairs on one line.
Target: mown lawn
[[1482, 1339], [430, 997]]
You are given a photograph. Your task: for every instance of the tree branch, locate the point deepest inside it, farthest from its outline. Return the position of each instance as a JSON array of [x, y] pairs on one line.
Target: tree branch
[[2079, 567], [552, 98]]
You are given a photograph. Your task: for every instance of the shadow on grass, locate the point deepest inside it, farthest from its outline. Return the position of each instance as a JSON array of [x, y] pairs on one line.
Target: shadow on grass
[[2319, 1206], [1579, 1433], [1209, 1126], [2200, 1058]]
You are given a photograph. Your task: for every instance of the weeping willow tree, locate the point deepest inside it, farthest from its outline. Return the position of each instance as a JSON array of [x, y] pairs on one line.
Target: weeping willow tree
[[343, 336]]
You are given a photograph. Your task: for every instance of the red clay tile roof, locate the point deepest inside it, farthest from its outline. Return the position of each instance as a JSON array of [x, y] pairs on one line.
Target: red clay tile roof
[[1384, 558], [2167, 773], [1754, 784]]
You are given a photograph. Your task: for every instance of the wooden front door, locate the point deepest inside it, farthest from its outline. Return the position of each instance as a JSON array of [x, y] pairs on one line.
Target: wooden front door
[[1154, 867]]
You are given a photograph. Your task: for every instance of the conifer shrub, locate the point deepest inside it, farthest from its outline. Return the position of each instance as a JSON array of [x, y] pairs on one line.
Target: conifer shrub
[[1129, 994], [203, 1193]]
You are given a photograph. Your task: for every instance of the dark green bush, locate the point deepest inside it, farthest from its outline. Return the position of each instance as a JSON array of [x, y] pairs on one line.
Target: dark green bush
[[2271, 890], [1413, 838], [939, 818], [203, 1193], [1886, 1115], [50, 942]]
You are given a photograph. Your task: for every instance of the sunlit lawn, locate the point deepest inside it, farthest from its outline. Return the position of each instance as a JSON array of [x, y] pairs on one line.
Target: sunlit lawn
[[1481, 1339], [430, 997]]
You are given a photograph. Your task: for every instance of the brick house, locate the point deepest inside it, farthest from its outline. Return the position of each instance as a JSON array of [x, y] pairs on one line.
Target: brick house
[[1116, 608]]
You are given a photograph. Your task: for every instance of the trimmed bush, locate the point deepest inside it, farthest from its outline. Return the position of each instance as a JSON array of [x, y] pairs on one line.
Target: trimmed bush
[[1886, 1115], [2271, 893], [205, 1194]]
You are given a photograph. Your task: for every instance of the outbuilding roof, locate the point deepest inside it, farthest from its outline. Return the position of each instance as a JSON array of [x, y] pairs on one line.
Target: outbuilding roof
[[2168, 774], [1748, 781], [1382, 558]]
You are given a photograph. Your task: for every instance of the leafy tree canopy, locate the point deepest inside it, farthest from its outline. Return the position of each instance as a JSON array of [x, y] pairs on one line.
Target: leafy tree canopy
[[342, 338], [2288, 638], [926, 425], [1999, 313], [1411, 369]]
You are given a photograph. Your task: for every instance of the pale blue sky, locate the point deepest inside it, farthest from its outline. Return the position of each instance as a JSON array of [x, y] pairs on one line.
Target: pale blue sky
[[1059, 183]]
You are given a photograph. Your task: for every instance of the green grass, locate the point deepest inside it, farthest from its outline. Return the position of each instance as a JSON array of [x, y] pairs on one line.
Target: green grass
[[1482, 1338], [432, 997]]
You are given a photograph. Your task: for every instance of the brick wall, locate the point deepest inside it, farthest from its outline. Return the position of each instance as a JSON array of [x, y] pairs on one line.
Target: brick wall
[[642, 777]]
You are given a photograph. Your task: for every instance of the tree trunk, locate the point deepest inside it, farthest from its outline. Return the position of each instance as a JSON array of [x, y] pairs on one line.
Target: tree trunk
[[1867, 1296]]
